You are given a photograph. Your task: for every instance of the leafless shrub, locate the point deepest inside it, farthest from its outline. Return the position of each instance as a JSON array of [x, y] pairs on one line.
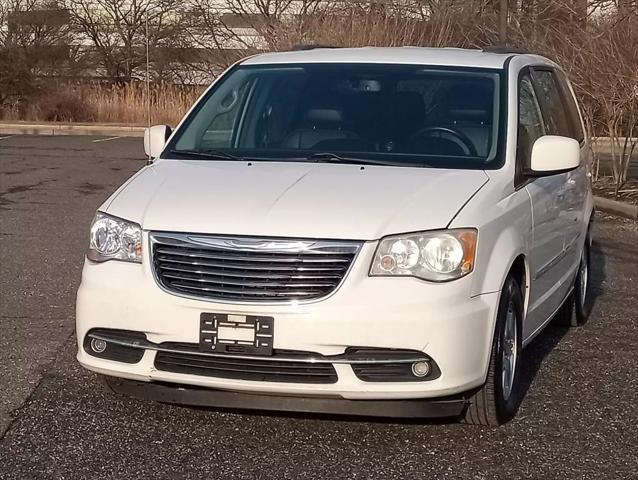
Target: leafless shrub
[[64, 105], [597, 47], [108, 103]]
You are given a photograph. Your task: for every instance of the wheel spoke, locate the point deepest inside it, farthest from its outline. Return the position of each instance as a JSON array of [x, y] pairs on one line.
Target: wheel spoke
[[583, 274], [509, 351]]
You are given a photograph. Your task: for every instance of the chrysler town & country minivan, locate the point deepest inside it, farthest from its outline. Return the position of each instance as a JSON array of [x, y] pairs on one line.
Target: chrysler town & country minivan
[[375, 231]]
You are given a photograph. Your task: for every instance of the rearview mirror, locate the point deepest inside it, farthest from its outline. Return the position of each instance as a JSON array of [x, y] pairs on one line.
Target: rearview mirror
[[552, 154], [155, 139]]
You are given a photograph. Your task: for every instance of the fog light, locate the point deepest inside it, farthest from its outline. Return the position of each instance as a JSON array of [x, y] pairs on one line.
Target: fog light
[[98, 346], [420, 369]]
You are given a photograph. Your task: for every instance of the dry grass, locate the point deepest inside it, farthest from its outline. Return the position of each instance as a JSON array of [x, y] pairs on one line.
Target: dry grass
[[128, 104], [101, 103]]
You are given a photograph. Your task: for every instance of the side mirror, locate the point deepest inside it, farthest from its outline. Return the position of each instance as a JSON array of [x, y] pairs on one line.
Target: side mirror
[[552, 154], [155, 139]]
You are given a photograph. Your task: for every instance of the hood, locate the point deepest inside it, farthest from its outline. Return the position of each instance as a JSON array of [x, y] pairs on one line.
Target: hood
[[304, 200]]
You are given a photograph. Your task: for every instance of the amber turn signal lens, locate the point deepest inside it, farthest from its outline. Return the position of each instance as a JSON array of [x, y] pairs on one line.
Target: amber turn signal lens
[[468, 240]]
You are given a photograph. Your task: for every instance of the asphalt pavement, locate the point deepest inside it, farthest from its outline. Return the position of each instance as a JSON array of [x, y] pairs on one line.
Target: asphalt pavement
[[577, 420]]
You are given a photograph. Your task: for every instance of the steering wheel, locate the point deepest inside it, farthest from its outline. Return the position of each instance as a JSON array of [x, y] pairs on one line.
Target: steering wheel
[[454, 136]]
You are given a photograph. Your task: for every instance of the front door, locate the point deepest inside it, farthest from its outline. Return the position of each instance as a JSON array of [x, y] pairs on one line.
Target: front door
[[549, 221]]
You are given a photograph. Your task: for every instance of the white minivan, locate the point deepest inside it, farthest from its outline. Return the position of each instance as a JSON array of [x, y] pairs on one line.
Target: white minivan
[[376, 231]]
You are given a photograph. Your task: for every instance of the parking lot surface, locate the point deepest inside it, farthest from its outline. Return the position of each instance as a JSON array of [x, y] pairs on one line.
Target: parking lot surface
[[578, 418]]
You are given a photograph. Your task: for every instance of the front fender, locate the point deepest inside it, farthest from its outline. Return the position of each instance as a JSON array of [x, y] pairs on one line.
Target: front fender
[[505, 232]]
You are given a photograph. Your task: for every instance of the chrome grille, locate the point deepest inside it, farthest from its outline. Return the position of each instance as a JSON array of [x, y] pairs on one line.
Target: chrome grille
[[250, 269]]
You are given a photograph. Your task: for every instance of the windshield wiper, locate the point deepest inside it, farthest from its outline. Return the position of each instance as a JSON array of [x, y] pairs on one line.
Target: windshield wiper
[[328, 157], [210, 154]]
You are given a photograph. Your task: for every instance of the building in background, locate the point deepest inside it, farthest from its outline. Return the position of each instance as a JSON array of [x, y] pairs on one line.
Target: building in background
[[191, 41]]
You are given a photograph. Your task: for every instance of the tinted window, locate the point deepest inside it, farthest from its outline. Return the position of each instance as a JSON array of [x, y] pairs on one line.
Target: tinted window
[[572, 108], [554, 111], [403, 113], [530, 122]]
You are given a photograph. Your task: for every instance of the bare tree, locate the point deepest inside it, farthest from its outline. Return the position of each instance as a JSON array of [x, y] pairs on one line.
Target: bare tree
[[116, 31], [220, 38], [38, 27], [33, 40]]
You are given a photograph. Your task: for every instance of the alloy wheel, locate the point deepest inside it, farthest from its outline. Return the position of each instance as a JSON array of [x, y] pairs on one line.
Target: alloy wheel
[[583, 272], [509, 351]]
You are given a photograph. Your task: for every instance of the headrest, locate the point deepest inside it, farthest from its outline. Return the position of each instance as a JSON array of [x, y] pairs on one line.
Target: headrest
[[325, 115], [469, 102], [468, 114]]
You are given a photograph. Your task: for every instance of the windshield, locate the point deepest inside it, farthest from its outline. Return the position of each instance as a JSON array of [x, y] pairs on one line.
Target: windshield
[[386, 114]]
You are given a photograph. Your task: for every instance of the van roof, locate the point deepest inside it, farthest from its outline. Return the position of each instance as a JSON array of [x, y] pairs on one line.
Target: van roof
[[459, 57]]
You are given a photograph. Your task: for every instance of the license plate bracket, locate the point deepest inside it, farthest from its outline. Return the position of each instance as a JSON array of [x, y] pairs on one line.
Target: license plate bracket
[[238, 334]]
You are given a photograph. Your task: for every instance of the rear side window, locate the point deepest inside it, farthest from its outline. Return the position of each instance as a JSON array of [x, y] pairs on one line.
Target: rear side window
[[552, 106]]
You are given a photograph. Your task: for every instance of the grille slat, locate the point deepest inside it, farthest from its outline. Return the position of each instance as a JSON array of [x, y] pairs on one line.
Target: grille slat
[[245, 282], [283, 257], [253, 370], [241, 292], [227, 273], [241, 364], [259, 268], [241, 369], [228, 268]]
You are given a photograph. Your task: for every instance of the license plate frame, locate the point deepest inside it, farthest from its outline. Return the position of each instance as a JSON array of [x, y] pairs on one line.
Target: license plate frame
[[236, 334]]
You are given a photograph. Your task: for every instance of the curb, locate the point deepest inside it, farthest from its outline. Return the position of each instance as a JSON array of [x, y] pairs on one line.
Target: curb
[[617, 208], [55, 129]]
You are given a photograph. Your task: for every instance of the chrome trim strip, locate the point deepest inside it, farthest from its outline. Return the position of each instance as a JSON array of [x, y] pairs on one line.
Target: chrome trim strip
[[341, 359], [258, 244], [558, 258], [305, 246], [549, 265], [572, 243]]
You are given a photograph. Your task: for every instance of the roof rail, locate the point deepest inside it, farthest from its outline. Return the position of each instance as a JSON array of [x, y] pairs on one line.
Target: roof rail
[[503, 49], [303, 47]]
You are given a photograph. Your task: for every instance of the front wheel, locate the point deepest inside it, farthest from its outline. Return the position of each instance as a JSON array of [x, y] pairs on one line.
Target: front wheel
[[497, 400]]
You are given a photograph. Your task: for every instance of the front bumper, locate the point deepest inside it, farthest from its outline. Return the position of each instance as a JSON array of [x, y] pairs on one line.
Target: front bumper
[[441, 320], [200, 397]]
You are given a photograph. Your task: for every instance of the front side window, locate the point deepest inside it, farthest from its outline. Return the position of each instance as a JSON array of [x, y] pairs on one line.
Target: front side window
[[394, 114], [530, 121], [572, 107], [554, 110], [219, 132]]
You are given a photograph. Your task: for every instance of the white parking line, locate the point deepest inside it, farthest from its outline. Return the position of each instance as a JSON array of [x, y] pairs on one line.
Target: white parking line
[[105, 139], [8, 136]]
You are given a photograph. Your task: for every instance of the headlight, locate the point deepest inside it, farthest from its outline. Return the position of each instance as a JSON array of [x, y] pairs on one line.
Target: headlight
[[437, 256], [114, 239]]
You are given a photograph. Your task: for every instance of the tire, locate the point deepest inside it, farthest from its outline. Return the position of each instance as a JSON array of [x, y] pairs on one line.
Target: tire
[[564, 317], [497, 401], [575, 311], [582, 284]]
